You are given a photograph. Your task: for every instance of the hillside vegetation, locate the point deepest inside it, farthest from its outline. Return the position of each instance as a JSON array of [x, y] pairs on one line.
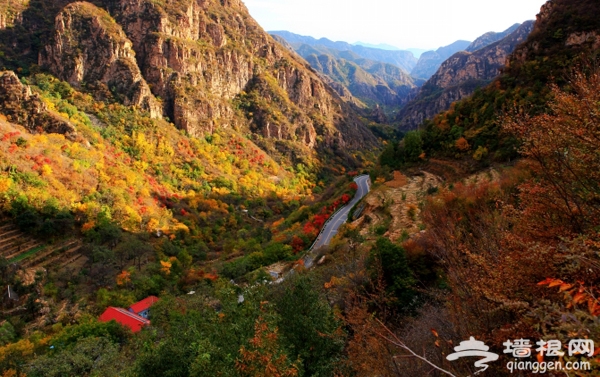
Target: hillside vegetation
[[172, 148], [565, 36]]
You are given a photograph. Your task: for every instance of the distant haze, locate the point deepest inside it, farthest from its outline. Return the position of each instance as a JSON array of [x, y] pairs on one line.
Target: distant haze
[[423, 24]]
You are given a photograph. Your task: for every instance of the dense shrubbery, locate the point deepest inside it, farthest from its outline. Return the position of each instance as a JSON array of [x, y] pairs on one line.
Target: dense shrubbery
[[159, 213], [520, 255], [139, 173], [406, 152]]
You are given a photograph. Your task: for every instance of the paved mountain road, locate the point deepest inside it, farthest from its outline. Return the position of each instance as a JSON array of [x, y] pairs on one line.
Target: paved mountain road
[[334, 223]]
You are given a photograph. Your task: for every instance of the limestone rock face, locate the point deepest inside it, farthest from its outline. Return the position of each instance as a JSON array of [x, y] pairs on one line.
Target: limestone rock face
[[459, 76], [20, 106], [483, 64], [378, 115], [209, 59], [203, 64], [564, 31], [580, 38], [89, 47]]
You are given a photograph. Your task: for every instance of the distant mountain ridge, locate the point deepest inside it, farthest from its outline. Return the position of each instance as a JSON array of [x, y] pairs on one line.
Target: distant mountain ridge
[[371, 82], [363, 82], [403, 59], [293, 38], [381, 46], [491, 37], [430, 61], [460, 75], [371, 77]]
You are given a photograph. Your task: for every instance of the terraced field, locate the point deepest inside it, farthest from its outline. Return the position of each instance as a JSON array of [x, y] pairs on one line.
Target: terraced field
[[20, 248]]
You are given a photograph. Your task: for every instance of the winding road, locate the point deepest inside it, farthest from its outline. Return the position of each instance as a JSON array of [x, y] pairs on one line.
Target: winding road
[[334, 223]]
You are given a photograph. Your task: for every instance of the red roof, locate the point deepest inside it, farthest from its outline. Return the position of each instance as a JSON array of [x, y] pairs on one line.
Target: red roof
[[125, 318], [146, 303]]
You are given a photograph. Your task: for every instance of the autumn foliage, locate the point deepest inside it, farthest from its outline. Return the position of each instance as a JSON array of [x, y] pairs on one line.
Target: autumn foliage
[[262, 356], [503, 243]]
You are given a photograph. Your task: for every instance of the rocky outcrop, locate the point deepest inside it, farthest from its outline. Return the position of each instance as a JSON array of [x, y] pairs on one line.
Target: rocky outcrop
[[459, 76], [22, 107], [207, 60], [483, 64], [581, 38], [378, 115], [203, 64], [564, 32], [542, 19], [11, 11], [88, 47]]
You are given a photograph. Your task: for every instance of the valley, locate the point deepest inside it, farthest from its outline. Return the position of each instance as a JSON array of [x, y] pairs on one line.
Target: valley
[[183, 193]]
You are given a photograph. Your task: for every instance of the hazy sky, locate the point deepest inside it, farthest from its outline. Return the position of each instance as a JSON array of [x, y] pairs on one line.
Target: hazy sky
[[402, 23]]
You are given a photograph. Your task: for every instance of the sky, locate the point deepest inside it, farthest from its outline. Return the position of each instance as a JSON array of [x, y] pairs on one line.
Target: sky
[[426, 24]]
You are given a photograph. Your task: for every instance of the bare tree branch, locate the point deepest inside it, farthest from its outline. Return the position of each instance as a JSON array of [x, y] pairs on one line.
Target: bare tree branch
[[398, 343]]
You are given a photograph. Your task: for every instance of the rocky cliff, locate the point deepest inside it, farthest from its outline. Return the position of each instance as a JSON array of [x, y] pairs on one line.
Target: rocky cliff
[[430, 61], [340, 89], [11, 11], [459, 76], [21, 106], [89, 48], [483, 64], [204, 64]]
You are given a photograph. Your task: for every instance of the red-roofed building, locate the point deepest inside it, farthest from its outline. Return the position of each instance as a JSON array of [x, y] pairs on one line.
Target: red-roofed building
[[142, 308], [125, 318]]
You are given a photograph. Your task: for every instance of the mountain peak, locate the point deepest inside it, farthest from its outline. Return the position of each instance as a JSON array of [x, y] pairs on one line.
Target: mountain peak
[[491, 37]]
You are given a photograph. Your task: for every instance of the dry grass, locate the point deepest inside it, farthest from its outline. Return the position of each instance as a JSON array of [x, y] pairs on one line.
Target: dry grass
[[398, 181], [398, 201], [393, 200]]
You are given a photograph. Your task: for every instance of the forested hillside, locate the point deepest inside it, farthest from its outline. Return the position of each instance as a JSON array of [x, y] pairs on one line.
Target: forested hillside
[[158, 148], [561, 41], [171, 162], [493, 207]]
